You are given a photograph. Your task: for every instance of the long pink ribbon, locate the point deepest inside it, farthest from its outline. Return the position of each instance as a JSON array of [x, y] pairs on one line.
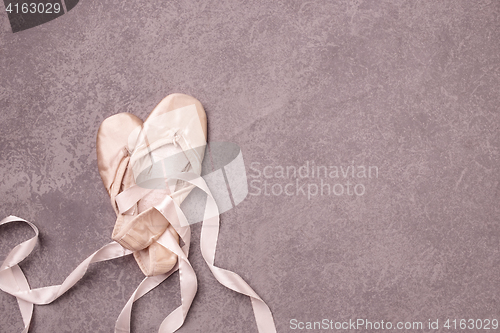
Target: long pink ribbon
[[13, 281], [209, 236]]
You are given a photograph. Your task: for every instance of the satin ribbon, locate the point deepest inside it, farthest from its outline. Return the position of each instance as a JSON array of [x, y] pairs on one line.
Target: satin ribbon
[[208, 241], [174, 127], [209, 235], [13, 281]]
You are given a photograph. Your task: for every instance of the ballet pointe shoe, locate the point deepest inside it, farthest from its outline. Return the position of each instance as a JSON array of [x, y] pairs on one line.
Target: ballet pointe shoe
[[126, 150]]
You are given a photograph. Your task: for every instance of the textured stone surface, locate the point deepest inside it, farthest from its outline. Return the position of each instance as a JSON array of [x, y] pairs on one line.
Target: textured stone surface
[[410, 87]]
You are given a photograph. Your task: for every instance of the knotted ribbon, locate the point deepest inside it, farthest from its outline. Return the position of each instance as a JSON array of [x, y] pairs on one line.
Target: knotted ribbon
[[180, 127], [13, 281]]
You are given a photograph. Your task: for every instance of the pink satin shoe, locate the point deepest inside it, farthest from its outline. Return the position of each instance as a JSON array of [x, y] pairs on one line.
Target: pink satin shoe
[[127, 147]]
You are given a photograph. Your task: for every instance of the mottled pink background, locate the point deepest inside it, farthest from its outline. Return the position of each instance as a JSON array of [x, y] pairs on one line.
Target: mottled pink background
[[411, 87]]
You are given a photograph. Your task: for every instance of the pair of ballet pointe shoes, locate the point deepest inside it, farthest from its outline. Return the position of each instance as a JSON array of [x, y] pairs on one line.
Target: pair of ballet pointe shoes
[[130, 151]]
